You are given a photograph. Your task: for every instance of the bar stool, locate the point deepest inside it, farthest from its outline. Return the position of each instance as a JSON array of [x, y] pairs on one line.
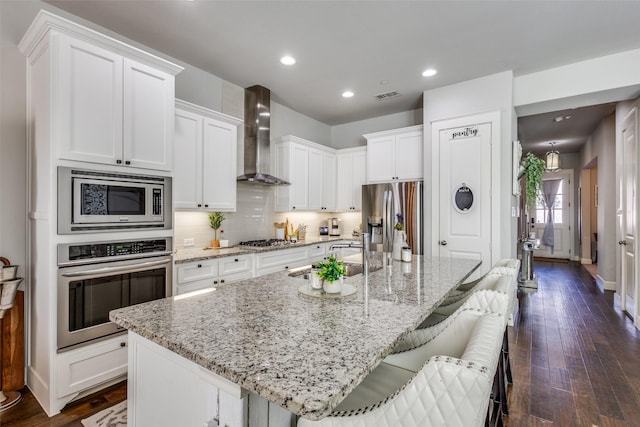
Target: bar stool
[[448, 390]]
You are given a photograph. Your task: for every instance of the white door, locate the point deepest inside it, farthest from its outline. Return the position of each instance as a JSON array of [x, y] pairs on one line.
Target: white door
[[381, 159], [219, 146], [462, 188], [89, 111], [628, 220], [562, 218], [187, 173], [409, 158], [315, 171]]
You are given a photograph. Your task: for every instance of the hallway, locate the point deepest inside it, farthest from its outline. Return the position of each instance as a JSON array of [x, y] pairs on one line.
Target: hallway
[[576, 360]]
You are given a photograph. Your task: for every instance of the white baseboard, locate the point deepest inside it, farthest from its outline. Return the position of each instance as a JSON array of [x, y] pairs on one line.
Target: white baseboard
[[575, 258], [585, 261], [617, 301], [605, 284]]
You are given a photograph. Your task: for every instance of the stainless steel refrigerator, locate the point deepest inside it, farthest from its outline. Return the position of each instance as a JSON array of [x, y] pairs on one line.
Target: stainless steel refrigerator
[[384, 205]]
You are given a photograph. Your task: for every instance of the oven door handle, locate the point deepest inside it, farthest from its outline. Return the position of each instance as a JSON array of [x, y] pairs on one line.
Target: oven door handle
[[124, 268]]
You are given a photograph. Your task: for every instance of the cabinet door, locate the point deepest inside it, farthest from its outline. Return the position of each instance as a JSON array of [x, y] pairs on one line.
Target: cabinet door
[[219, 147], [315, 170], [329, 182], [409, 159], [89, 103], [381, 159], [299, 177], [187, 177], [344, 188], [359, 178], [149, 116], [197, 270]]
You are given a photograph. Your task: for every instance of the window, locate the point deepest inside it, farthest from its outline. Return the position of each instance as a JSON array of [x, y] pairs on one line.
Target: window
[[557, 209]]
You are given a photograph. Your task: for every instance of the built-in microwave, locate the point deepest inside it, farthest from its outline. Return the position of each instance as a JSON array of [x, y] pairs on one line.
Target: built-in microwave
[[90, 201]]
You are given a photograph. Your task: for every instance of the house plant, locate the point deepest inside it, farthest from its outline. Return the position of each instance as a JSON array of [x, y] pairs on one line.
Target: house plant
[[532, 168], [331, 273], [215, 221]]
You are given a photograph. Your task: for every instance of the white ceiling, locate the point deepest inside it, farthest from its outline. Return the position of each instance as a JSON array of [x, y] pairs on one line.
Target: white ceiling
[[357, 44]]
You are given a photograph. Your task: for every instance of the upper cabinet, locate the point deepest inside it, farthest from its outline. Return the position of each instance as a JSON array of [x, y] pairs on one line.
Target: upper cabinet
[[395, 155], [352, 174], [110, 103], [311, 170], [205, 158]]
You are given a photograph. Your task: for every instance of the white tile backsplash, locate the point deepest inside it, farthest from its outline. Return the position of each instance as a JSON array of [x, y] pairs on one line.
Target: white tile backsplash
[[253, 219]]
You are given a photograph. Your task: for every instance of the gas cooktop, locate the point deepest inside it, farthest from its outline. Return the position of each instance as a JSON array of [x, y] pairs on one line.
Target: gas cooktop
[[264, 243]]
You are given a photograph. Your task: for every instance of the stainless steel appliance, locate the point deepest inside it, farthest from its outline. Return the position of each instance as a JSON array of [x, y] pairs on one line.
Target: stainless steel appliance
[[335, 226], [95, 278], [90, 201], [324, 231], [384, 205]]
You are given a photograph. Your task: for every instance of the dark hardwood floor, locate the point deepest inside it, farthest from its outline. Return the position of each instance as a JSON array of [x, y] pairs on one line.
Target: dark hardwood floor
[[575, 360]]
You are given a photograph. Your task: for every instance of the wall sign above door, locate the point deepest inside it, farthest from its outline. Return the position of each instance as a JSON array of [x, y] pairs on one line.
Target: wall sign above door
[[463, 199], [463, 132]]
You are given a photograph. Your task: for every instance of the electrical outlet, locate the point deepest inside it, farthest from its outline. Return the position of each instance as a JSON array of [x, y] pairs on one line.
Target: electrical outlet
[[188, 242]]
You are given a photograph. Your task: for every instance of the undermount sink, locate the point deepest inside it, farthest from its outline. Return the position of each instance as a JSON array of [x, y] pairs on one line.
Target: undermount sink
[[352, 270]]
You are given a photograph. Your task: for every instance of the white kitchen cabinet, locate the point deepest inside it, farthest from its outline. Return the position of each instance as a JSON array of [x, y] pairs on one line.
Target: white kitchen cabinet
[[311, 170], [395, 155], [111, 109], [280, 260], [351, 175], [90, 98], [88, 366], [205, 159], [196, 275]]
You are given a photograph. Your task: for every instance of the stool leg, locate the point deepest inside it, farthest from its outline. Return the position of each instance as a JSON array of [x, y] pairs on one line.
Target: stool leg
[[503, 387], [494, 416], [505, 355]]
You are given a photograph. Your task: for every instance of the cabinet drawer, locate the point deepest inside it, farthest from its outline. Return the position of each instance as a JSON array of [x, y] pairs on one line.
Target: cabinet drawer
[[235, 264], [235, 277], [197, 271], [271, 262], [91, 365], [317, 251], [184, 288]]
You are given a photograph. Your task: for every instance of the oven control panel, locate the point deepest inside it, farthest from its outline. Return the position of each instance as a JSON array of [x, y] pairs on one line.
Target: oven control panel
[[108, 250]]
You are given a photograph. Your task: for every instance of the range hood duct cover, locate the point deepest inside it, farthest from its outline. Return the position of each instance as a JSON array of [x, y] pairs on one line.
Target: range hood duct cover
[[257, 137]]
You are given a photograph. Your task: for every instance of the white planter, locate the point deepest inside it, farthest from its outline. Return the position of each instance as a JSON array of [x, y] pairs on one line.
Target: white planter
[[399, 241], [333, 288]]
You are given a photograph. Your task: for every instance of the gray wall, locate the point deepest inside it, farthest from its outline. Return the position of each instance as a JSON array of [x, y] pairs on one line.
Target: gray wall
[[349, 135], [601, 146]]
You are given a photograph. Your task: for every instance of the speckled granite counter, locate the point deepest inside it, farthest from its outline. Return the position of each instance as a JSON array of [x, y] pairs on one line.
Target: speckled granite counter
[[304, 354], [199, 254]]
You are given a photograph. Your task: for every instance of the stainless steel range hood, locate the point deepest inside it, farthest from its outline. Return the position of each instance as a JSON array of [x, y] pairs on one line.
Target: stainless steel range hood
[[257, 135]]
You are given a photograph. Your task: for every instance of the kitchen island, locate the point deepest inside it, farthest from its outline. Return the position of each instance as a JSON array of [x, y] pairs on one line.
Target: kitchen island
[[259, 345]]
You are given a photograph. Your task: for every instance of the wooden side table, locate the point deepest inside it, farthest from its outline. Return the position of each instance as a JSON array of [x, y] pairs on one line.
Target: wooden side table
[[12, 336]]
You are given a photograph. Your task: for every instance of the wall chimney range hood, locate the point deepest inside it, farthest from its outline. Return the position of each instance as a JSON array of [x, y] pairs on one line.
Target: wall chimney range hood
[[257, 137]]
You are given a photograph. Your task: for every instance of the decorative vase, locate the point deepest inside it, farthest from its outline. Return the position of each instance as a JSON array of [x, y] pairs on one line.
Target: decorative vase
[[399, 241], [334, 287], [215, 243]]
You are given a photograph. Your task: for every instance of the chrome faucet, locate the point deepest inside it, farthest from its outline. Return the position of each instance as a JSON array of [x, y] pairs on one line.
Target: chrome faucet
[[366, 248]]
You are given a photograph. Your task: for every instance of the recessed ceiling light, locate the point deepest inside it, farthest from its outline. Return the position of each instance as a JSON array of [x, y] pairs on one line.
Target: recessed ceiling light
[[429, 72], [558, 119], [347, 94], [287, 60]]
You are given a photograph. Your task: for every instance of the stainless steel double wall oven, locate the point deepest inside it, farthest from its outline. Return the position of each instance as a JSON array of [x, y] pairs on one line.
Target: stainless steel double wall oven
[[99, 274]]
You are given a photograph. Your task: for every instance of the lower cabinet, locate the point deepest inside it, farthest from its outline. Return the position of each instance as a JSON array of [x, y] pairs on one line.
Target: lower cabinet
[[89, 366], [198, 275], [280, 260]]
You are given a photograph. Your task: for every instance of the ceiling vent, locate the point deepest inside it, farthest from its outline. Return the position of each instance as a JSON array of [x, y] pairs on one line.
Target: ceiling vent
[[387, 95]]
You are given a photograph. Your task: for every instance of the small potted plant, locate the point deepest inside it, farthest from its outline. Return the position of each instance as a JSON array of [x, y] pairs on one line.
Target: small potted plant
[[331, 273], [215, 220]]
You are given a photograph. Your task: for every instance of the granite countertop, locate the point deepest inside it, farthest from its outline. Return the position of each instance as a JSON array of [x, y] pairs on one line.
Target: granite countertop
[[302, 353], [200, 254]]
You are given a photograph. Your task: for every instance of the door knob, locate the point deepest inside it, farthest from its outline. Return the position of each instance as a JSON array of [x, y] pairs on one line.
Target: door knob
[[622, 242], [443, 242]]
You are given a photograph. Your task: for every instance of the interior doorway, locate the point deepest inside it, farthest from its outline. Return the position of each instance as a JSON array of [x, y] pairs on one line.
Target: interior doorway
[[588, 218], [558, 217]]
